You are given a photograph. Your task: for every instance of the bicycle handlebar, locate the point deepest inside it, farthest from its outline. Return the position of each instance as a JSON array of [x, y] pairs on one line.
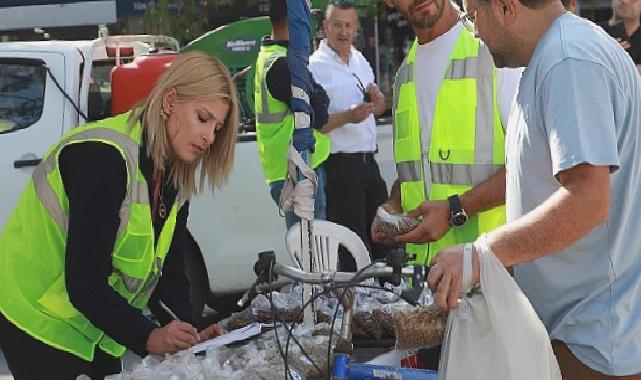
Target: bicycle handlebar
[[394, 269], [334, 277]]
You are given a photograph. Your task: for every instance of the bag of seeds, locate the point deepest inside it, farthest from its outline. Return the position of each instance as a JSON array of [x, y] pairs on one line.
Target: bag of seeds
[[419, 326], [393, 224]]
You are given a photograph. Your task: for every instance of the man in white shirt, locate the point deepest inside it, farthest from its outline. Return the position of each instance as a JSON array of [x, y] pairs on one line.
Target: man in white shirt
[[454, 104], [354, 184]]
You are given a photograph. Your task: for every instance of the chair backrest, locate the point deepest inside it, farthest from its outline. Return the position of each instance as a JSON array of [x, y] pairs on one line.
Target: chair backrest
[[327, 237]]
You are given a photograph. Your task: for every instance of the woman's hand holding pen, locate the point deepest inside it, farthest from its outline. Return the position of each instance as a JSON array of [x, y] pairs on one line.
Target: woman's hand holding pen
[[172, 338], [178, 335]]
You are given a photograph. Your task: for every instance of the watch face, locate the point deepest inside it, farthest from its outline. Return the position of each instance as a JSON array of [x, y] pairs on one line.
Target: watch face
[[459, 219]]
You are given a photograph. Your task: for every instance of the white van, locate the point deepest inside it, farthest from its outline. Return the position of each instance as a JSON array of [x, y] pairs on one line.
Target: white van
[[40, 82]]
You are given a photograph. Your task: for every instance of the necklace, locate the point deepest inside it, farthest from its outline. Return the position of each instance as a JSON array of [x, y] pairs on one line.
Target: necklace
[[158, 207]]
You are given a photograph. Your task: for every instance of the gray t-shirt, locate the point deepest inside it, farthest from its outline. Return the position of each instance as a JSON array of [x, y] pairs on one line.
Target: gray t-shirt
[[579, 102]]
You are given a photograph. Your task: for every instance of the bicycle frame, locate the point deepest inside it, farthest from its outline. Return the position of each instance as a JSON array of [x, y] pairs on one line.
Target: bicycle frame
[[344, 368]]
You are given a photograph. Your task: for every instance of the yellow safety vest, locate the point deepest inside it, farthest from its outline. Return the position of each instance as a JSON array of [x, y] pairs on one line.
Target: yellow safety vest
[[32, 259], [275, 121], [466, 144]]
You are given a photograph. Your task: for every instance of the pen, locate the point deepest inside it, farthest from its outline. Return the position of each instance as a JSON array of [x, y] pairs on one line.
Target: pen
[[174, 316], [168, 310]]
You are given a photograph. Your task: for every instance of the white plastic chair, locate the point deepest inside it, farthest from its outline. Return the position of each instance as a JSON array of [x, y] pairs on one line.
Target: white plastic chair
[[327, 237]]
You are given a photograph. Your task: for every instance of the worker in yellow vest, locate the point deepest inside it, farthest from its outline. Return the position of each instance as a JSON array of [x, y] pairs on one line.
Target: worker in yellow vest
[[450, 109], [99, 233], [274, 117]]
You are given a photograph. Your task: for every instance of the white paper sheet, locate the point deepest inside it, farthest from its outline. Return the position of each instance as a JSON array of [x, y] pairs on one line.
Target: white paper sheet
[[233, 336]]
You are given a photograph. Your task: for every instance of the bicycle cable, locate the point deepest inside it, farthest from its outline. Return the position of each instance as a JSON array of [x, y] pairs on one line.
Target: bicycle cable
[[285, 355], [340, 302], [273, 310], [290, 335]]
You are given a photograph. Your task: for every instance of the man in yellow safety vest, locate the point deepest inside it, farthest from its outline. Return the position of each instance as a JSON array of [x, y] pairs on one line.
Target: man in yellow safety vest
[[449, 126]]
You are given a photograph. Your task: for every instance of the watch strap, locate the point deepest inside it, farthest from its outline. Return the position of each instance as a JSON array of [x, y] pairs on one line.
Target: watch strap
[[455, 204]]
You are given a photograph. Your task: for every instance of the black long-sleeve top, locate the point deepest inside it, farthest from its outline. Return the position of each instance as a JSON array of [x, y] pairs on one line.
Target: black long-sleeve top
[[279, 82], [95, 178]]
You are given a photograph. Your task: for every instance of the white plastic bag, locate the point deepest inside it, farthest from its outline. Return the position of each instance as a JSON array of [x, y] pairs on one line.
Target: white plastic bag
[[496, 335]]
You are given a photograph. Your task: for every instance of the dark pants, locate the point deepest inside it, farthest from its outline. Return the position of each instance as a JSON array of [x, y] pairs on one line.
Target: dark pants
[[354, 190], [30, 359]]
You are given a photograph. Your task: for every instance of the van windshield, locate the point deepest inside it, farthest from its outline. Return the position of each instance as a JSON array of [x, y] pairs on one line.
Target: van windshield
[[22, 88]]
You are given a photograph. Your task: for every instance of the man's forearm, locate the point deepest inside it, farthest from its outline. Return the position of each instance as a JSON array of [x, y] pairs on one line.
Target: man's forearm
[[486, 195], [565, 217], [336, 120]]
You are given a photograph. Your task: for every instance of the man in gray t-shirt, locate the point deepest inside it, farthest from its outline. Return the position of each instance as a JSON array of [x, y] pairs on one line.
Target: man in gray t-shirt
[[573, 192]]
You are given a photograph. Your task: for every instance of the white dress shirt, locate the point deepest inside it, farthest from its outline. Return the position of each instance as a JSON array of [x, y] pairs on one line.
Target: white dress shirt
[[337, 78]]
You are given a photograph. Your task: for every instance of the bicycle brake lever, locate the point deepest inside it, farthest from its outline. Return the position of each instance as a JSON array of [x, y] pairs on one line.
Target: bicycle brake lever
[[265, 261], [413, 294]]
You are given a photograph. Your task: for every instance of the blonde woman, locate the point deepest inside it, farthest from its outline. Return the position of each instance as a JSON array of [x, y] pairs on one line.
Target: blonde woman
[[99, 234]]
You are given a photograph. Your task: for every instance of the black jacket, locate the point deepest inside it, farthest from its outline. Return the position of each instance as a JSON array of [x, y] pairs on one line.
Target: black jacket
[[94, 177]]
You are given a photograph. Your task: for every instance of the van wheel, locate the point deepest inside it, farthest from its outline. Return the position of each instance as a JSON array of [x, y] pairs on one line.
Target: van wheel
[[198, 281]]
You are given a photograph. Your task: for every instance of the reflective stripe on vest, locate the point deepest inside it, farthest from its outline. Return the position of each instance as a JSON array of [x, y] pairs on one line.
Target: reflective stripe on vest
[[263, 115], [466, 144], [32, 260], [275, 122]]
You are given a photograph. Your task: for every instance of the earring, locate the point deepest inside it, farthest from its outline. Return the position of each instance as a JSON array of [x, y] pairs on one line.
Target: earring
[[165, 115]]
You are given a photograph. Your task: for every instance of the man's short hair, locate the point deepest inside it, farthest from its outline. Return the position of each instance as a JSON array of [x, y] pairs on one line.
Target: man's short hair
[[278, 12], [532, 4], [340, 4]]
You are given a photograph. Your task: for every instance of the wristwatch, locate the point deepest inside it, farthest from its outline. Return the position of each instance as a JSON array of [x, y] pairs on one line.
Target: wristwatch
[[458, 216]]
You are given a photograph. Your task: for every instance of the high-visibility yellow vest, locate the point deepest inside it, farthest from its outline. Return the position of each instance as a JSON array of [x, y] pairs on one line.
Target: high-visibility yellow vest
[[466, 144], [32, 259], [275, 121]]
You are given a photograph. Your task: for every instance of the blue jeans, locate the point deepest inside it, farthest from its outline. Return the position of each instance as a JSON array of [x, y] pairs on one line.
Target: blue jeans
[[319, 203]]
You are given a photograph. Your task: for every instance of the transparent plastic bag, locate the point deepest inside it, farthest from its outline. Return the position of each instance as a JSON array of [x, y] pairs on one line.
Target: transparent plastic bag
[[393, 224], [386, 320], [419, 326], [258, 359], [239, 319]]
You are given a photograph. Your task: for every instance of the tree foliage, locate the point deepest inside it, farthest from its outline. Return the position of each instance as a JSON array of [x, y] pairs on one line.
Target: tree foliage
[[182, 19]]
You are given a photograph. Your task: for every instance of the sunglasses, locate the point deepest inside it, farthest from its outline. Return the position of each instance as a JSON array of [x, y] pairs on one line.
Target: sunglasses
[[359, 84]]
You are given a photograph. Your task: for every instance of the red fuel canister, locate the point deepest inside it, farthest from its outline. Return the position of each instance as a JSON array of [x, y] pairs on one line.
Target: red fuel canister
[[132, 82]]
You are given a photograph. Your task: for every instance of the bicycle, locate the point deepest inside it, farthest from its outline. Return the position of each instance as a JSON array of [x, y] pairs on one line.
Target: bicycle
[[344, 368]]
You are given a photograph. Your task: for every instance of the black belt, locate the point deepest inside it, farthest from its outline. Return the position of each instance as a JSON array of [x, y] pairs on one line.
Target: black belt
[[361, 156]]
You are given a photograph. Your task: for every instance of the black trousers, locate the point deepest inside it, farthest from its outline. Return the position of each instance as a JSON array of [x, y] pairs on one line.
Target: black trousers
[[30, 359], [355, 189]]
